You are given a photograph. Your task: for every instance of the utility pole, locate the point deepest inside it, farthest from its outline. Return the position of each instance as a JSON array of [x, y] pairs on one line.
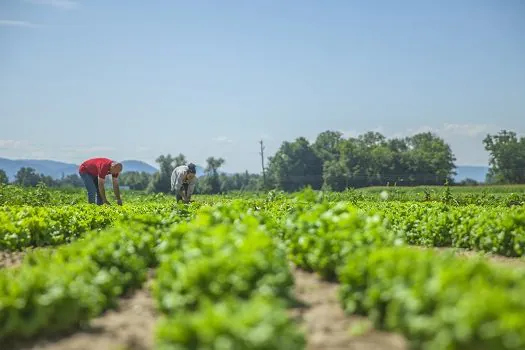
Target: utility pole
[[262, 163]]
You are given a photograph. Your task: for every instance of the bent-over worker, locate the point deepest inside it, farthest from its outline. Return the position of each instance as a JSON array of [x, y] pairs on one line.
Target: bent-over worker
[[183, 180], [93, 172]]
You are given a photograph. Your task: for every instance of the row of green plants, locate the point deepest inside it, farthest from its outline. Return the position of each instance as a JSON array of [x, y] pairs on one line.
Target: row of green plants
[[224, 283], [437, 301], [437, 194], [489, 229], [41, 195], [493, 230], [501, 196], [27, 226], [54, 291]]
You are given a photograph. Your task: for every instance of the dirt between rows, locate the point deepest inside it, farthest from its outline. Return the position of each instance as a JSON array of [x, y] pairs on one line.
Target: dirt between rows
[[325, 324], [11, 259], [130, 327]]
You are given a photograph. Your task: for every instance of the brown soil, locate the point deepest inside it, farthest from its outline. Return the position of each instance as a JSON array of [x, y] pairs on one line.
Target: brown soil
[[130, 327], [11, 259], [325, 324]]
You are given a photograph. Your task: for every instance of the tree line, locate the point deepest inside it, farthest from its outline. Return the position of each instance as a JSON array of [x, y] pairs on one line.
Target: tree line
[[331, 162], [334, 162]]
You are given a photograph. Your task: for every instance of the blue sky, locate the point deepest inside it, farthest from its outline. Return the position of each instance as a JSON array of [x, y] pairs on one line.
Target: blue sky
[[136, 79]]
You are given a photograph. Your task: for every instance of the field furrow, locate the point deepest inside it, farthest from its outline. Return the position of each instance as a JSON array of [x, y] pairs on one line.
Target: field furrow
[[129, 326], [327, 326]]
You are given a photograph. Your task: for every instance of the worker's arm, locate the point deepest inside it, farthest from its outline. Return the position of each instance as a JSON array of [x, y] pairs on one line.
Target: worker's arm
[[116, 190], [184, 194], [102, 190], [191, 188]]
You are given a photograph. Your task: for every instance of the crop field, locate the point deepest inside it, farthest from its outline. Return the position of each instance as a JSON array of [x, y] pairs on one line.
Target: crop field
[[380, 268]]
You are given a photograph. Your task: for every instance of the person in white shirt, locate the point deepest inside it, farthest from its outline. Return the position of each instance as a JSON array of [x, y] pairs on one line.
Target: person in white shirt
[[183, 180]]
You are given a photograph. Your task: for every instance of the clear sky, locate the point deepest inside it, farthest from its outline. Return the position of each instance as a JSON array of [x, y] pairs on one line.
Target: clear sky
[[134, 79]]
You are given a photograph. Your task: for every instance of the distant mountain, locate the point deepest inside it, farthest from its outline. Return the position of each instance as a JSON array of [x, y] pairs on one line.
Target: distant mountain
[[137, 165], [56, 169], [474, 172], [47, 167]]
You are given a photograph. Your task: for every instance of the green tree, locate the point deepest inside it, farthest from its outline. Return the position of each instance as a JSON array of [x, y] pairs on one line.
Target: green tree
[[430, 160], [507, 157], [27, 176], [240, 182], [135, 180], [72, 180], [367, 160], [399, 168], [354, 163], [212, 174], [48, 180], [295, 166], [335, 176], [3, 177], [327, 145], [161, 180]]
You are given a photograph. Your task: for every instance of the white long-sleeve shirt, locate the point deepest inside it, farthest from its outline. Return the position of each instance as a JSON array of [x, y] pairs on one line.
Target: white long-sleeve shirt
[[177, 179]]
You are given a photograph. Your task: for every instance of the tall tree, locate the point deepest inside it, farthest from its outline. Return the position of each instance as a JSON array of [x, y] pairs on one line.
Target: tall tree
[[296, 165], [179, 160], [507, 157], [27, 176], [335, 176], [354, 163], [71, 180], [431, 160], [135, 180], [161, 181], [212, 174], [3, 177], [327, 145]]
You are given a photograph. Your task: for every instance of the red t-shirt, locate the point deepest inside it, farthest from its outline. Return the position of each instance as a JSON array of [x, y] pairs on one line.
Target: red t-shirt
[[97, 167]]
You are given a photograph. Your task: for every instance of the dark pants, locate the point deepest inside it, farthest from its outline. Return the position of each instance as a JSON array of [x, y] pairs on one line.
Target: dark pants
[[185, 189], [91, 183]]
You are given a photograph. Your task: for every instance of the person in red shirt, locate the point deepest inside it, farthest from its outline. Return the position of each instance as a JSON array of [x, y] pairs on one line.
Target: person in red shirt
[[93, 172]]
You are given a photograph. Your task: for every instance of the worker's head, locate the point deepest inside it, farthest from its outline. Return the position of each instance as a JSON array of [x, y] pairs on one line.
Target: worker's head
[[192, 171], [115, 168]]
